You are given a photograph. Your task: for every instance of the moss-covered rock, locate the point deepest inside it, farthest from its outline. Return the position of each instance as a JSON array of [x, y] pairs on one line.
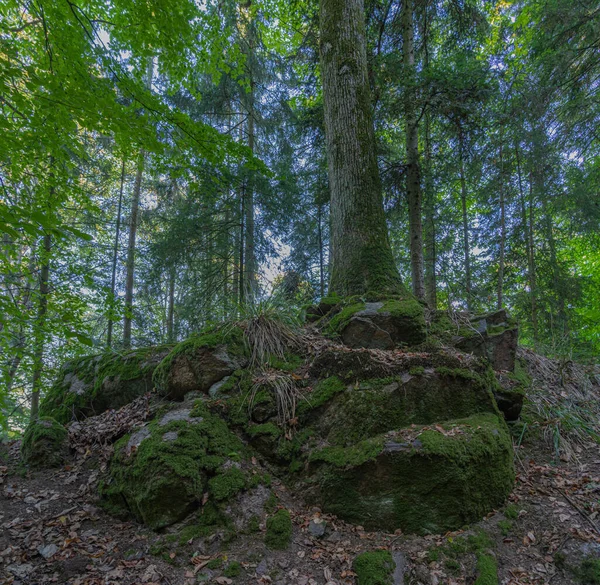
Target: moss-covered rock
[[200, 362], [91, 385], [279, 530], [374, 568], [380, 324], [420, 479], [160, 473], [45, 443], [372, 407]]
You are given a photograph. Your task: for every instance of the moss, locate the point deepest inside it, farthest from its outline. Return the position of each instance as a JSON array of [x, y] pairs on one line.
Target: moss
[[487, 570], [589, 572], [279, 530], [322, 393], [339, 321], [215, 563], [289, 363], [164, 480], [44, 443], [417, 371], [511, 512], [269, 429], [374, 568], [227, 484], [453, 566], [353, 456], [271, 504], [505, 527], [377, 406], [432, 482], [232, 570], [92, 384]]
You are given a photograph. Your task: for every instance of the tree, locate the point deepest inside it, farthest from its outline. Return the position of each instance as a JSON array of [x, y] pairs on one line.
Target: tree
[[361, 255]]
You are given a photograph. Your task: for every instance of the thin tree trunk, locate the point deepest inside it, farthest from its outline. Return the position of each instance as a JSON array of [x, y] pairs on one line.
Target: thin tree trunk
[[250, 268], [413, 179], [133, 224], [360, 252], [115, 257], [502, 235], [171, 307], [532, 267], [465, 219], [38, 354]]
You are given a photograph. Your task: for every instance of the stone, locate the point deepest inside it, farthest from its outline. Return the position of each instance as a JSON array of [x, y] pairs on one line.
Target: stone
[[164, 471], [48, 550], [262, 568], [45, 443], [91, 385], [493, 337], [381, 325], [317, 527], [454, 475], [199, 363]]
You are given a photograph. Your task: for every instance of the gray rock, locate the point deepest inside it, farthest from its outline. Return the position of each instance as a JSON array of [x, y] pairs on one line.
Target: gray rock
[[262, 568], [400, 569], [20, 570], [136, 438], [176, 415], [214, 389], [170, 437], [48, 550], [317, 527]]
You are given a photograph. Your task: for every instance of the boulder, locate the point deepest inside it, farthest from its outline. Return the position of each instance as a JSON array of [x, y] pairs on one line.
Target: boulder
[[45, 443], [423, 480], [383, 324], [177, 463], [494, 337], [199, 363], [93, 384]]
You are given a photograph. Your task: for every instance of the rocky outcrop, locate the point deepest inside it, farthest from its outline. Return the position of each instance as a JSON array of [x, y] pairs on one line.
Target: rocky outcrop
[[179, 462], [90, 385], [494, 337], [424, 480], [384, 324], [386, 439], [199, 363]]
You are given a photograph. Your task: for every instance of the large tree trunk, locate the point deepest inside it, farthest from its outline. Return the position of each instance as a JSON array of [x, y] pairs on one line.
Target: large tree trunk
[[115, 257], [413, 173], [429, 247], [361, 256], [465, 219], [502, 235], [38, 354], [249, 253], [133, 223]]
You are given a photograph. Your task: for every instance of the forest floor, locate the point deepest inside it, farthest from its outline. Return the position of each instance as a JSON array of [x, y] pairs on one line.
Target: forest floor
[[52, 530]]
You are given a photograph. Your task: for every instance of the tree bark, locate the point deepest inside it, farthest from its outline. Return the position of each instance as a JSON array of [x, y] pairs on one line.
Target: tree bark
[[38, 354], [465, 219], [115, 257], [321, 255], [171, 306], [133, 224], [361, 255], [429, 247], [502, 235], [413, 171]]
